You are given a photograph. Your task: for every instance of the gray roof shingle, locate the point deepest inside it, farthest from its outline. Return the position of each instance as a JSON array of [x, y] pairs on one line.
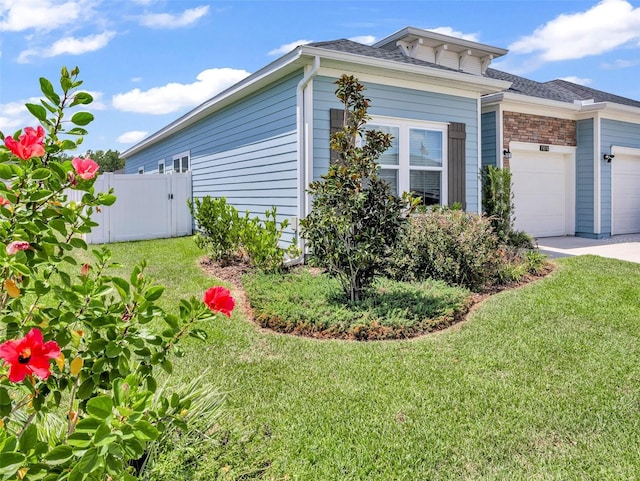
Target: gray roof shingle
[[349, 46], [560, 90]]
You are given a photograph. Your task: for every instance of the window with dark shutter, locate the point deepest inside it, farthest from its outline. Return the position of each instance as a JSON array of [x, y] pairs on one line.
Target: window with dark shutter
[[456, 163], [336, 122]]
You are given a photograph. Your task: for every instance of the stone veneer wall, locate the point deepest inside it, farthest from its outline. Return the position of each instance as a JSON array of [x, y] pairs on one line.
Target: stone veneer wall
[[538, 129]]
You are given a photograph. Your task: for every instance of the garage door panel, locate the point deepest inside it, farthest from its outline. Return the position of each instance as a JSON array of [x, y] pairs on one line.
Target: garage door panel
[[625, 195], [540, 193]]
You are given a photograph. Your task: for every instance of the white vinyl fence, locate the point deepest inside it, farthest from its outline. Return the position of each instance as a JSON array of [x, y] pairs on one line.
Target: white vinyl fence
[[149, 206]]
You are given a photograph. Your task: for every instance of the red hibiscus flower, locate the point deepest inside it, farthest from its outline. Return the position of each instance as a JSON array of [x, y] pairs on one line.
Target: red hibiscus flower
[[29, 355], [218, 299], [3, 201], [15, 246], [85, 168], [30, 144]]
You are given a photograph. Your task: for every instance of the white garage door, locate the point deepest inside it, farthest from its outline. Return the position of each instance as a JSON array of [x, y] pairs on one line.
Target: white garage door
[[543, 193], [625, 194]]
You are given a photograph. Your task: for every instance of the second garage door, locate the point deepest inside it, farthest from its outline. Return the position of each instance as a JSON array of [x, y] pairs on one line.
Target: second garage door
[[625, 194], [543, 192]]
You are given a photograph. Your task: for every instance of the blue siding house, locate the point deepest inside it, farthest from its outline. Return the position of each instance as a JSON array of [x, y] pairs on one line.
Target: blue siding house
[[574, 153], [262, 141]]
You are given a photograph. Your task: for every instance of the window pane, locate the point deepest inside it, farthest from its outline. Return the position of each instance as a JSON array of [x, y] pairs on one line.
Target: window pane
[[391, 156], [426, 185], [176, 165], [425, 148], [391, 176], [160, 168], [185, 164]]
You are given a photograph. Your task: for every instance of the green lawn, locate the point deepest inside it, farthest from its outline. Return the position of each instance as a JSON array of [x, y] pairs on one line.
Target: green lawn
[[541, 383]]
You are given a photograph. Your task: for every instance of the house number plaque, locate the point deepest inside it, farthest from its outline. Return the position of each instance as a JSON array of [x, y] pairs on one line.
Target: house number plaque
[[544, 148]]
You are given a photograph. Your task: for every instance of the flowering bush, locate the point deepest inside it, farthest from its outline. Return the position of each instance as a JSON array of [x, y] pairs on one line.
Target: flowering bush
[[79, 366]]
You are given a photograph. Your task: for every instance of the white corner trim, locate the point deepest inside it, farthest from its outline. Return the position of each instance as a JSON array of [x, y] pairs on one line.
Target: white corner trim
[[597, 176]]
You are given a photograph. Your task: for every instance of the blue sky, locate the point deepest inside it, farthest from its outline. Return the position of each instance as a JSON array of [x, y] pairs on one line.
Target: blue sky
[[149, 61]]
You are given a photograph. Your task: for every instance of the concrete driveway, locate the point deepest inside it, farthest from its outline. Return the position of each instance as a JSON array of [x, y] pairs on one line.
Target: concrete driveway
[[623, 247]]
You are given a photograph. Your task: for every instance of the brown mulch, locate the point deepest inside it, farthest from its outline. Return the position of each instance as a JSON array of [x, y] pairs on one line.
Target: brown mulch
[[231, 273]]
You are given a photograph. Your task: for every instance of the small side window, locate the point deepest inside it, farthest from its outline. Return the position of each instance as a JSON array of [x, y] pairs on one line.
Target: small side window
[[161, 167], [181, 163], [141, 170]]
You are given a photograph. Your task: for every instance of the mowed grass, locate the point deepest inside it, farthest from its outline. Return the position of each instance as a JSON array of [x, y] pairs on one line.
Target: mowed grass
[[540, 383]]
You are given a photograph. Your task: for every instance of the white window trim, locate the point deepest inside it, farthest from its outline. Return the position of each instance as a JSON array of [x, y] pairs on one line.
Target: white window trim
[[164, 167], [179, 156], [404, 167]]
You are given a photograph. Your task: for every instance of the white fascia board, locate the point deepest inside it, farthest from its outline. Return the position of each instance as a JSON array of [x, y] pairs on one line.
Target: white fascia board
[[534, 105], [612, 111], [258, 79], [483, 85]]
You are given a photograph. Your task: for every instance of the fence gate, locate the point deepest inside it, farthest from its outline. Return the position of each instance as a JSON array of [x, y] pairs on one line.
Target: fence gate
[[150, 206]]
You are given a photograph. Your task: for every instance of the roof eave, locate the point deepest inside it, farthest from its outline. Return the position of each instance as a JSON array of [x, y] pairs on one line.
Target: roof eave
[[408, 31], [217, 102], [483, 85], [527, 99]]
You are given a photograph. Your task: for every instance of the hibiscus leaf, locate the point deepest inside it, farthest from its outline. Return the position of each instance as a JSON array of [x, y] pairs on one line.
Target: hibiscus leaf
[[47, 89], [100, 407], [40, 174], [59, 455], [5, 171], [82, 118], [82, 98], [145, 431], [10, 463], [153, 293], [37, 111]]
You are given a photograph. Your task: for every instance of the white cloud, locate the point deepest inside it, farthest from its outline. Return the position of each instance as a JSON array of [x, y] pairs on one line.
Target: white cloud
[[619, 64], [288, 47], [366, 39], [472, 37], [602, 28], [14, 116], [132, 136], [19, 15], [175, 96], [69, 46], [167, 20], [577, 80]]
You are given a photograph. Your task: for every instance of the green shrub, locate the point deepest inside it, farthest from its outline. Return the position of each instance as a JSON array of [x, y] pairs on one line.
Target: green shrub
[[225, 235], [497, 200], [219, 227], [261, 241], [520, 239], [355, 221], [450, 245]]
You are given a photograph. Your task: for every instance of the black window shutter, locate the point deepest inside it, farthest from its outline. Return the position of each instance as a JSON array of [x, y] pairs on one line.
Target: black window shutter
[[456, 163], [336, 122]]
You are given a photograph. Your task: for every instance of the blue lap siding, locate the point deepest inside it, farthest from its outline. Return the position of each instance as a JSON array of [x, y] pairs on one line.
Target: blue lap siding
[[401, 103], [246, 152]]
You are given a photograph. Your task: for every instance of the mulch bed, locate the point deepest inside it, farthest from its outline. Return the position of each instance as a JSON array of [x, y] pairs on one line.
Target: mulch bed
[[231, 273]]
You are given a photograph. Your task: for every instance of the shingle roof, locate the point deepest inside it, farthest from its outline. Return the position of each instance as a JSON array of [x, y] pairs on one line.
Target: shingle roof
[[580, 92], [560, 90], [524, 86], [349, 46]]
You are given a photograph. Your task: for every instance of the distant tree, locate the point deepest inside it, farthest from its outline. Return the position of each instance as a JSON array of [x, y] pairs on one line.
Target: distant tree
[[109, 161]]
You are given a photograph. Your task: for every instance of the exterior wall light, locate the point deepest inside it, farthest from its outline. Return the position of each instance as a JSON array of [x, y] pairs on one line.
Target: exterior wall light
[[608, 157], [506, 155]]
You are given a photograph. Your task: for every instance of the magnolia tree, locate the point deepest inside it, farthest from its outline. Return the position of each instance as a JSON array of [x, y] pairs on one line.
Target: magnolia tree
[[80, 360]]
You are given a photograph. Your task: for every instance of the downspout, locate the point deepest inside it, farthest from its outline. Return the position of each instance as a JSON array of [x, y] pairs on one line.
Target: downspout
[[304, 161]]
